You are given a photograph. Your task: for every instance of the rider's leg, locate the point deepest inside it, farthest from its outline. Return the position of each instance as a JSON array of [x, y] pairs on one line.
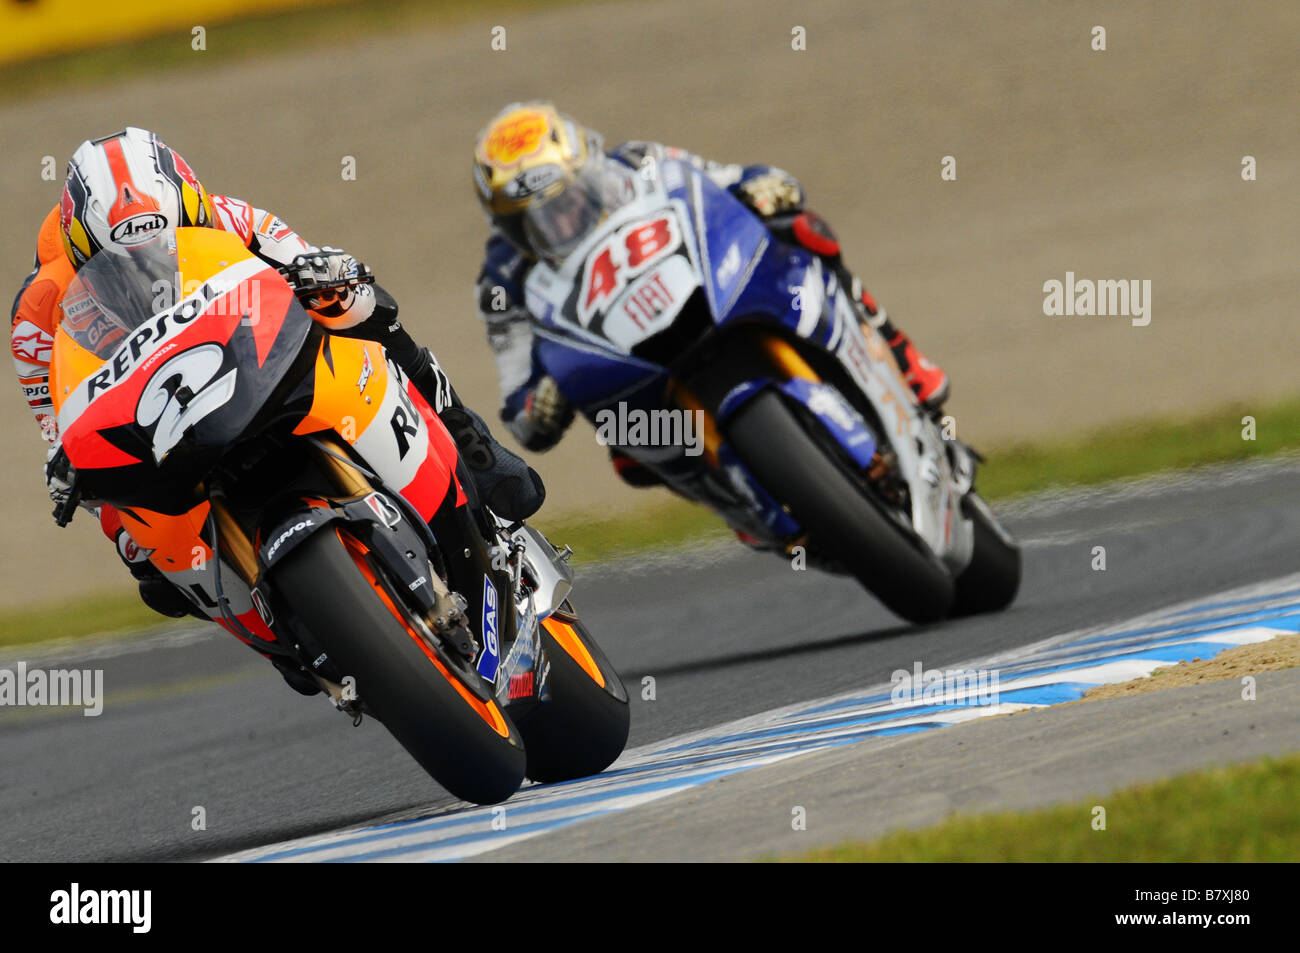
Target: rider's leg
[[508, 485], [927, 380], [160, 595], [156, 590]]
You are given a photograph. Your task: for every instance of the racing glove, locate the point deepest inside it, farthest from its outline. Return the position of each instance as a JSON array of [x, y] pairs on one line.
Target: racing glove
[[333, 284], [545, 417], [59, 475], [771, 193]]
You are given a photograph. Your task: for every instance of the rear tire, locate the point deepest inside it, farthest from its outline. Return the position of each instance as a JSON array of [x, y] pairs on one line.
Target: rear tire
[[583, 727], [788, 462], [325, 587], [992, 578]]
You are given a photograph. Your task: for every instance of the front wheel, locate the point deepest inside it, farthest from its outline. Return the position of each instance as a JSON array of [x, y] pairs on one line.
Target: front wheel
[[454, 729], [834, 508], [583, 726]]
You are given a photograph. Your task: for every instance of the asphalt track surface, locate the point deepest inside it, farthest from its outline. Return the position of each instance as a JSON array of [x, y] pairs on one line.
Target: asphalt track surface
[[195, 720]]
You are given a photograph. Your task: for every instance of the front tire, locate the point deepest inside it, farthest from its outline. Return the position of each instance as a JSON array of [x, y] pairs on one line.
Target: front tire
[[458, 735], [833, 507]]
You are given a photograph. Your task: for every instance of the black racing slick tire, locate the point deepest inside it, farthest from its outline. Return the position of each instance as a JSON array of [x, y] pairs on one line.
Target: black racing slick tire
[[991, 579], [835, 508], [452, 727], [582, 728]]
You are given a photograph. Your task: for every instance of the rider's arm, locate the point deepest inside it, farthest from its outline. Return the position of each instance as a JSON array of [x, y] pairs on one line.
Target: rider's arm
[[271, 239], [266, 235], [362, 309], [30, 344], [766, 189], [639, 154], [530, 404], [33, 318]]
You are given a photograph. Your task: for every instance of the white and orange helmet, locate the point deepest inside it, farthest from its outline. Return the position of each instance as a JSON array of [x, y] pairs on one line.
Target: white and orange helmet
[[124, 190]]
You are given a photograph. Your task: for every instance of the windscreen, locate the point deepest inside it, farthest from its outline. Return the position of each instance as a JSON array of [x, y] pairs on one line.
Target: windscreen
[[117, 291]]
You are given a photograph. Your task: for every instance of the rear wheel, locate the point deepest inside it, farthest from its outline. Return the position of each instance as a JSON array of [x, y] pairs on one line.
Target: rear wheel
[[833, 506], [992, 578], [583, 726], [448, 723]]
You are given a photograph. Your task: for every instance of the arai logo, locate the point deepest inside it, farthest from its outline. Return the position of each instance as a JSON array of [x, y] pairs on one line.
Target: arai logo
[[137, 228], [533, 180]]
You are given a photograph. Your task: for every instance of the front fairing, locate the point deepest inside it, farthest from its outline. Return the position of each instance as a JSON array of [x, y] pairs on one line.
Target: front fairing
[[151, 393]]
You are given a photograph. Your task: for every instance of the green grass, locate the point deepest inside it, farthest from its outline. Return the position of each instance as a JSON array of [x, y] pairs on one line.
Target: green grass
[[323, 27], [1141, 448], [1246, 813], [108, 611], [1102, 455]]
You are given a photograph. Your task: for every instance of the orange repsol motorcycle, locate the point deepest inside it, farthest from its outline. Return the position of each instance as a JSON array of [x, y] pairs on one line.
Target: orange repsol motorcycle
[[300, 491]]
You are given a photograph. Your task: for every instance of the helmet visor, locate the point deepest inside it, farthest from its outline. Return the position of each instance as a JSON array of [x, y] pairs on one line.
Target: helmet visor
[[556, 226]]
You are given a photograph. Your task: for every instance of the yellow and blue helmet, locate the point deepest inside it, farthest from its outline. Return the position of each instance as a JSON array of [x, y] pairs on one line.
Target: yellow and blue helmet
[[528, 156]]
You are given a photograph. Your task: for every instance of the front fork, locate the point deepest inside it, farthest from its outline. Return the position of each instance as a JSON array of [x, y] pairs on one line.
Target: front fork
[[346, 482]]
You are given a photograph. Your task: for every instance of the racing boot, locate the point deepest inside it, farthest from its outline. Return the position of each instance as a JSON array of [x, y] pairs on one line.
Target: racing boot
[[927, 380], [632, 471], [158, 593], [511, 488]]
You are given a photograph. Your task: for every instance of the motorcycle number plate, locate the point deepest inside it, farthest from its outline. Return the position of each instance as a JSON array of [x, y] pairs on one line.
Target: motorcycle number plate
[[650, 303], [615, 264]]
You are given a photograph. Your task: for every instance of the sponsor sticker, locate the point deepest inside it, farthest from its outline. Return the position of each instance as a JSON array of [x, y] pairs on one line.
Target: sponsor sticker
[[383, 508], [260, 604], [283, 537], [38, 395], [521, 686], [513, 140], [533, 180], [31, 343], [490, 658], [367, 368], [138, 228]]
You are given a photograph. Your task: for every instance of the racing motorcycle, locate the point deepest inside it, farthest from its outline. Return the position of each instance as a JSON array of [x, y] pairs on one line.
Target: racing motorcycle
[[812, 444], [297, 487]]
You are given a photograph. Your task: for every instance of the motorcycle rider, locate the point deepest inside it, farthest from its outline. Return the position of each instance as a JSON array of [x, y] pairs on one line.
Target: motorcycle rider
[[531, 155], [130, 183]]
